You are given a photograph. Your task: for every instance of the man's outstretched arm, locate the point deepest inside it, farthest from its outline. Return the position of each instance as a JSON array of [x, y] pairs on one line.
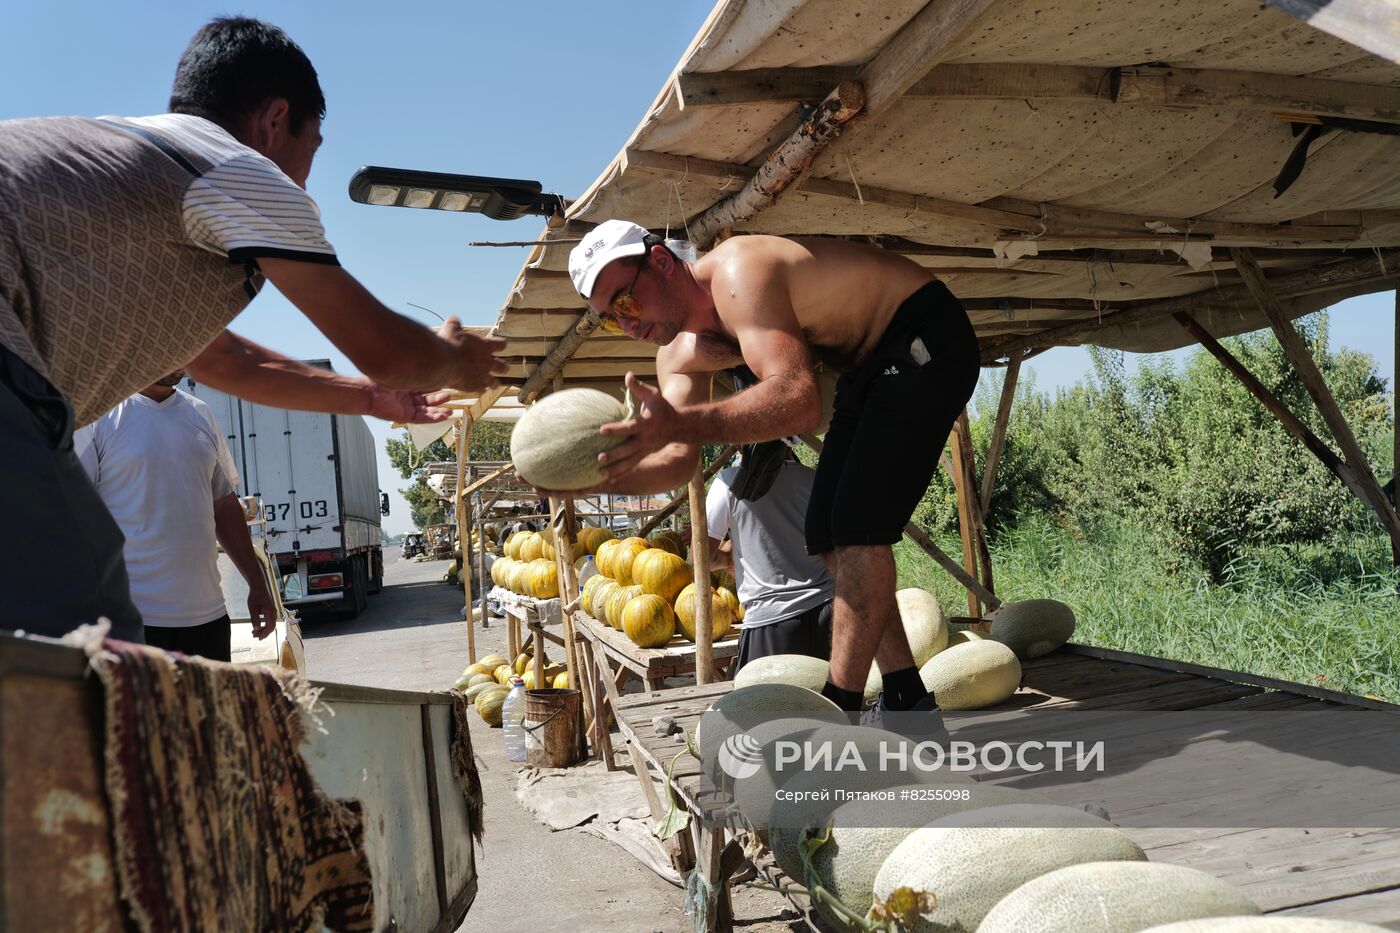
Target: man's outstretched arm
[[240, 367]]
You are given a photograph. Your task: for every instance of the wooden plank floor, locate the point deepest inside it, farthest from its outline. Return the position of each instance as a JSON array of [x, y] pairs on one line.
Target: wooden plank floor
[[1344, 873]]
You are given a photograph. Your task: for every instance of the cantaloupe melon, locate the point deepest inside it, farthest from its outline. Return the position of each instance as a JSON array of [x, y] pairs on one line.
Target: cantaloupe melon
[[555, 444], [744, 707], [1033, 627], [972, 859], [755, 797], [972, 676], [1114, 897], [800, 670], [1267, 925], [924, 625], [964, 636], [866, 831]]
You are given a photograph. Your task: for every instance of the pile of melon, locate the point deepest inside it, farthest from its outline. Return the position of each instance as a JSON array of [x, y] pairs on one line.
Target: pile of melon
[[487, 682], [964, 670], [967, 858], [645, 589], [527, 566]]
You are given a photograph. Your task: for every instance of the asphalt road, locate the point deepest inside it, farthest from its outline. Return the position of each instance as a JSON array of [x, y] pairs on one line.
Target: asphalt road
[[412, 638]]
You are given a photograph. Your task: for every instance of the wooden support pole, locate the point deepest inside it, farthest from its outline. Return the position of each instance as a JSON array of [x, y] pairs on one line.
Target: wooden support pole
[[1297, 353], [679, 500], [784, 165], [1395, 400], [480, 513], [700, 560], [464, 434], [1008, 395], [961, 457], [979, 527]]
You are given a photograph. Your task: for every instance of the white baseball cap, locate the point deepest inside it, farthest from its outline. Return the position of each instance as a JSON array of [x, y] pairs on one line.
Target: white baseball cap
[[610, 240]]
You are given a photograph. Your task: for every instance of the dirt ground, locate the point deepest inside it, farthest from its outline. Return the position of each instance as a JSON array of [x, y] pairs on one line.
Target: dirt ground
[[412, 638]]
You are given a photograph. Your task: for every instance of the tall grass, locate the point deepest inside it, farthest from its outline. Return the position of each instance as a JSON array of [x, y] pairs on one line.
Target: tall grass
[[1327, 616]]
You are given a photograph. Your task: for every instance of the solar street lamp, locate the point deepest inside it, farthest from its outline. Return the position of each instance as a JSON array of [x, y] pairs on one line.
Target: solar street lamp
[[497, 198]]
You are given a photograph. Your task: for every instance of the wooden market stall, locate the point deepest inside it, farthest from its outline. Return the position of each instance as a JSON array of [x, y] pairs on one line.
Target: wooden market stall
[[1143, 178]]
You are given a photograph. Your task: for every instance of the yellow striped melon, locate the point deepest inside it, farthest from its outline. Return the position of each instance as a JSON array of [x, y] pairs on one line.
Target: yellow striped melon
[[601, 595], [648, 620], [617, 602], [721, 621], [491, 662], [622, 558], [1033, 627], [555, 444], [972, 859], [488, 705], [1114, 897], [972, 676]]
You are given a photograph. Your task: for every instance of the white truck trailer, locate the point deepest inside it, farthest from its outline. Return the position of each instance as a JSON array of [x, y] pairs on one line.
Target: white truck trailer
[[316, 477]]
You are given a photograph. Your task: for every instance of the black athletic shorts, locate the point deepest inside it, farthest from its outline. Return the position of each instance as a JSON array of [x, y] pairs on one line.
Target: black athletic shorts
[[212, 640], [808, 633], [892, 418]]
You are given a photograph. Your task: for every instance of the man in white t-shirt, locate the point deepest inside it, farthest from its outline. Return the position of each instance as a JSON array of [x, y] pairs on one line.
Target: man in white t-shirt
[[786, 593], [163, 470]]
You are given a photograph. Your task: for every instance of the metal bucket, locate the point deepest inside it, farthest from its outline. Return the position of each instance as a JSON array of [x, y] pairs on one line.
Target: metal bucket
[[553, 727]]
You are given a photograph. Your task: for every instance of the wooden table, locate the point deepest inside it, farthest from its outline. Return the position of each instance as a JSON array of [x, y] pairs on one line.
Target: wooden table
[[652, 665], [1341, 873]]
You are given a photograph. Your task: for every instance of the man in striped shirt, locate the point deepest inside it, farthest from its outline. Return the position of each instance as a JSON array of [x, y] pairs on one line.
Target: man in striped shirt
[[126, 247]]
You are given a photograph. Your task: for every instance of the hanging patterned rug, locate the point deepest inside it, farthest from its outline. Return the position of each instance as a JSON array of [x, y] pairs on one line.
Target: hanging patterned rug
[[218, 824]]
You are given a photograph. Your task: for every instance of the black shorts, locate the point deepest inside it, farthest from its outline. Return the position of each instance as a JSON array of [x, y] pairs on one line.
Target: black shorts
[[808, 633], [212, 640], [891, 420]]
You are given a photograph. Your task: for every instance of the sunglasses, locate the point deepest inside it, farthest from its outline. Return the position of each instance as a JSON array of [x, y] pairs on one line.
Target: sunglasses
[[623, 304]]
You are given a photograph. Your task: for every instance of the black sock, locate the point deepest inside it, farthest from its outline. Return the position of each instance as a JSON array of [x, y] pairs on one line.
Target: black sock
[[903, 689], [850, 701]]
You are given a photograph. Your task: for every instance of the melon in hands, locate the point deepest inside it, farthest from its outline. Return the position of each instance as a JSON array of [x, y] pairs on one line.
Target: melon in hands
[[556, 443]]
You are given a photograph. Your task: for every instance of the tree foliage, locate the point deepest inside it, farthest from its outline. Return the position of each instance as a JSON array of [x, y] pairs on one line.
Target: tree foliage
[[1184, 450], [490, 441]]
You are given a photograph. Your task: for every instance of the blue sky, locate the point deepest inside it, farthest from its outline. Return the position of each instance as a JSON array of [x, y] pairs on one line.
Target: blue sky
[[456, 87]]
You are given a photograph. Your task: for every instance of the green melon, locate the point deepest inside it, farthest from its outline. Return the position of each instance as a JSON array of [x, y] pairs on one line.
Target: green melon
[[1114, 897], [972, 859], [1267, 925], [555, 444], [746, 707], [1033, 627], [864, 832], [972, 675], [797, 669], [756, 797]]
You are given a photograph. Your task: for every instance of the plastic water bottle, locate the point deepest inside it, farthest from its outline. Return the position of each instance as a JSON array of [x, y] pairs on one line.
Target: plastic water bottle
[[590, 569], [513, 720]]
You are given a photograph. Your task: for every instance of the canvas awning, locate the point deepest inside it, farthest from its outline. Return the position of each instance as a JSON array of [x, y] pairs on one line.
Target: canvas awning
[[1074, 170]]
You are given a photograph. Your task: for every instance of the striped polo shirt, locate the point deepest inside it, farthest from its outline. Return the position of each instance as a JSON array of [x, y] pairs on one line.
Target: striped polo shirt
[[128, 244]]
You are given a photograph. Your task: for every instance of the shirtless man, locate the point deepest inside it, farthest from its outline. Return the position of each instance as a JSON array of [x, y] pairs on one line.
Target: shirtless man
[[909, 362]]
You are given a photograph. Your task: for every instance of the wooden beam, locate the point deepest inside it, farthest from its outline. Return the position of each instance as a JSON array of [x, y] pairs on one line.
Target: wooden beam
[[1291, 422], [1297, 353], [494, 475], [587, 323], [1047, 221], [700, 560], [1008, 395], [464, 434], [917, 48], [1141, 85], [1380, 267], [783, 166]]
